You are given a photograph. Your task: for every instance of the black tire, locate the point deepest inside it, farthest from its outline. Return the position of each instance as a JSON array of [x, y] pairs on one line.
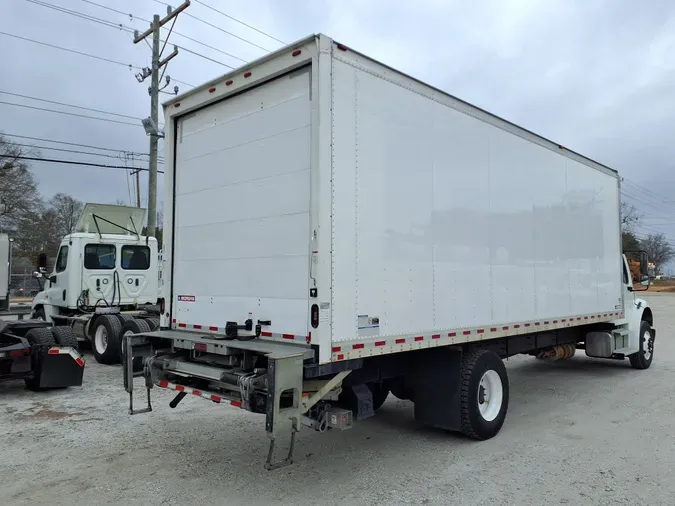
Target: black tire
[[643, 358], [380, 392], [401, 390], [39, 337], [65, 336], [153, 321], [39, 314], [483, 373], [106, 337], [123, 318], [134, 327]]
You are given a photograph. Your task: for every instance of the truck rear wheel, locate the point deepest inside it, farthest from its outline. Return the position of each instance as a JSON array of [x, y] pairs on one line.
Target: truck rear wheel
[[153, 321], [38, 337], [643, 358], [134, 327], [106, 342], [484, 394], [65, 336], [123, 318]]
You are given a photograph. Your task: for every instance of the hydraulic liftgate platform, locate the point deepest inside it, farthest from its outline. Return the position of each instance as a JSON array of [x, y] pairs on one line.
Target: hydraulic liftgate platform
[[283, 377]]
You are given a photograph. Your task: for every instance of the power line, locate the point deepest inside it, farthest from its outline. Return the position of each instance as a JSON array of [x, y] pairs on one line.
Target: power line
[[69, 105], [63, 150], [128, 65], [164, 28], [238, 21], [649, 193], [88, 55], [205, 57], [82, 15], [66, 150], [219, 28], [120, 26], [70, 113], [74, 162], [65, 143]]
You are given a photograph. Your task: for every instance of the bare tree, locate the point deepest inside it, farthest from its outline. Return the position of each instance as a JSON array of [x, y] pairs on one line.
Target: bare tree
[[658, 249], [629, 216], [67, 210], [18, 189]]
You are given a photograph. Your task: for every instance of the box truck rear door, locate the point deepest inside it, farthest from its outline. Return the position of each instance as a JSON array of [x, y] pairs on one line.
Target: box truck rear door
[[242, 202]]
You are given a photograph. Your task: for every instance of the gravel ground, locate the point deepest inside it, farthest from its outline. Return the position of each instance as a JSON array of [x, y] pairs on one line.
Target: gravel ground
[[581, 431]]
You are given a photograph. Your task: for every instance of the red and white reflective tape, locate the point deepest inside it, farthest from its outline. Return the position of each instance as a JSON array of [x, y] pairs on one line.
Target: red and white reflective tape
[[351, 350], [215, 329], [67, 350], [198, 393], [286, 337]]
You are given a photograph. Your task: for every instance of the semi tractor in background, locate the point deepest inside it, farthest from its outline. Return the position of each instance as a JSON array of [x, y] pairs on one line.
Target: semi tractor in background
[[105, 280], [337, 231]]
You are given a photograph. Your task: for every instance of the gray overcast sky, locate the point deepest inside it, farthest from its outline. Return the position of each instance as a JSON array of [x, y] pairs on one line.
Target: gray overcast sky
[[598, 77]]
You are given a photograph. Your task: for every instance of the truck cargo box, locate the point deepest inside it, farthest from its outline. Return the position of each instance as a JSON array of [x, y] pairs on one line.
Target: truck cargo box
[[335, 202]]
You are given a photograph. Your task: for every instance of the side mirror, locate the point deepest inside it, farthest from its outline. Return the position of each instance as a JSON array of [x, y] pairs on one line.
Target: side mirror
[[37, 275], [645, 281], [42, 261]]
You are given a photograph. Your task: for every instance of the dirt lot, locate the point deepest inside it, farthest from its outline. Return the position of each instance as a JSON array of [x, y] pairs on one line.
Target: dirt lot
[[578, 432]]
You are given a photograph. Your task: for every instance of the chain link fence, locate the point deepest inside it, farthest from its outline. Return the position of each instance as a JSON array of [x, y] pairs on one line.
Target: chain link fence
[[22, 284]]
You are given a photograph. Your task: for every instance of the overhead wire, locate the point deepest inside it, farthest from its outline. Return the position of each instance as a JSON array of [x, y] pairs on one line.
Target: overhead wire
[[237, 20], [64, 150], [647, 190], [121, 27], [175, 32], [2, 92], [130, 66], [81, 53], [70, 114], [81, 15], [65, 143], [75, 162], [219, 28]]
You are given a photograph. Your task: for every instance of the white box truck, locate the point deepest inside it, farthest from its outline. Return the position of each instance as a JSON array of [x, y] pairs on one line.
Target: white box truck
[[337, 230]]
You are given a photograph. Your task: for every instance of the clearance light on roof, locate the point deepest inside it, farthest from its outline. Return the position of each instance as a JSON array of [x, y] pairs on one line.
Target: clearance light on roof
[[177, 104], [297, 52], [227, 83], [247, 74], [342, 47], [211, 90]]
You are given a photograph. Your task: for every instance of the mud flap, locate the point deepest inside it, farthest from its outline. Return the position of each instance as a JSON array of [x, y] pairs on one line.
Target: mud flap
[[58, 367], [436, 380]]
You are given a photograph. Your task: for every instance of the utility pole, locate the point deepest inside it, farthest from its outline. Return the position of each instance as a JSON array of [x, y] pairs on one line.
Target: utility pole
[[151, 124], [138, 187]]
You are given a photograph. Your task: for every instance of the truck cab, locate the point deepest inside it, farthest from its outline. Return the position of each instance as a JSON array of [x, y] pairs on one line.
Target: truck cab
[[104, 263], [105, 274]]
